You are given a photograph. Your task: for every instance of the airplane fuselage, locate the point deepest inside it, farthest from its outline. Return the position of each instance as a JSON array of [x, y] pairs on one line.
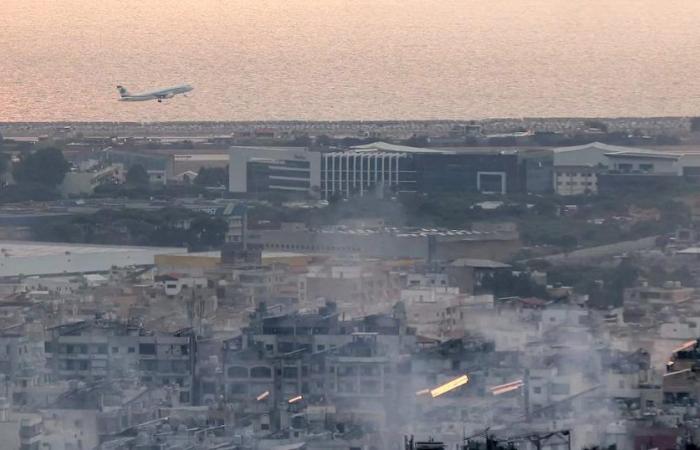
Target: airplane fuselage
[[159, 95]]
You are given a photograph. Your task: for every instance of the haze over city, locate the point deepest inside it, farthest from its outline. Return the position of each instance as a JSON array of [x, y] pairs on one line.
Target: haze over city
[[349, 225], [337, 60]]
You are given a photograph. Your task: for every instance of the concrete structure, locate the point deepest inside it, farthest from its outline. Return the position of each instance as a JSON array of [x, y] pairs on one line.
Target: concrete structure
[[656, 297], [377, 166], [195, 264], [578, 169], [190, 163], [350, 365], [164, 165], [397, 168], [258, 170], [358, 172], [105, 349], [424, 244], [575, 168], [353, 287], [575, 180], [84, 183], [43, 258], [380, 167]]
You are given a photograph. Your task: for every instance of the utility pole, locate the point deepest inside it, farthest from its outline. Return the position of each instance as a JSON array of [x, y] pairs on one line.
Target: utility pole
[[526, 394]]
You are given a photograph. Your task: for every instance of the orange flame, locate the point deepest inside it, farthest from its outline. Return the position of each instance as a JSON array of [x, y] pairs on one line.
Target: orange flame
[[449, 386], [508, 387], [685, 346]]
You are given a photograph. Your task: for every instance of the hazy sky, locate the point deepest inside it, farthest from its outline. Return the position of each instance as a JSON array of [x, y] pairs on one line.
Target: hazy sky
[[334, 59]]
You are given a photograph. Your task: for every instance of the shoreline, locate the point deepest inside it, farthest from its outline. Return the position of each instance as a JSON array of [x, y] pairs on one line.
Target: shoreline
[[678, 125]]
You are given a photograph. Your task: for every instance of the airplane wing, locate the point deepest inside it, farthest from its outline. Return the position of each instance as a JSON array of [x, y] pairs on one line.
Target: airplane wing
[[165, 95]]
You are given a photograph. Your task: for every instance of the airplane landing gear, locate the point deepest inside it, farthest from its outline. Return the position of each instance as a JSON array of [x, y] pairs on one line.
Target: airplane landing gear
[[160, 100]]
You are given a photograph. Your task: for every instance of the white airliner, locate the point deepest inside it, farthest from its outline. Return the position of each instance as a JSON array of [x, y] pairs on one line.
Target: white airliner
[[159, 95]]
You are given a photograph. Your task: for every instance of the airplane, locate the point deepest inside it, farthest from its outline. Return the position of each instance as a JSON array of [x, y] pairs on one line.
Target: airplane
[[159, 95]]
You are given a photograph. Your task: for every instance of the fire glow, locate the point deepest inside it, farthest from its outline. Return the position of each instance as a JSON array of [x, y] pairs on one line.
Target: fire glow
[[508, 387], [449, 386], [263, 396], [295, 399]]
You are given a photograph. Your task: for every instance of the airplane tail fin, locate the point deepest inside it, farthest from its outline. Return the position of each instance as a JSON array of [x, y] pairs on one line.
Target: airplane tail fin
[[123, 91]]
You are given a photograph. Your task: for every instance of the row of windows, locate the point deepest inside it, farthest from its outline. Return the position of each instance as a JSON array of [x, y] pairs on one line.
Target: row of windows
[[369, 371], [344, 386], [366, 387], [311, 247], [103, 349], [574, 183], [361, 164], [255, 372], [82, 349], [294, 372], [575, 174], [164, 381], [625, 167], [286, 347], [169, 366]]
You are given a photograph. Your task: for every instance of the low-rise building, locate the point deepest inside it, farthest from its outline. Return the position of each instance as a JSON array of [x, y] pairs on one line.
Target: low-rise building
[[391, 243]]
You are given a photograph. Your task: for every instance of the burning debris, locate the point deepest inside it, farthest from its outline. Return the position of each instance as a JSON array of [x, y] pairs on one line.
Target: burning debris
[[507, 387], [449, 386], [296, 399]]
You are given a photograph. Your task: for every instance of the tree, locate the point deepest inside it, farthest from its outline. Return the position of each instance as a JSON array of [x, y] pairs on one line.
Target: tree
[[695, 124], [568, 242], [137, 175], [46, 166], [417, 141], [212, 176], [4, 161]]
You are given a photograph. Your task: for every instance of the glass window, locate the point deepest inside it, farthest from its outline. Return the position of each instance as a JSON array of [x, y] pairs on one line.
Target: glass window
[[237, 372], [290, 372], [261, 372], [147, 349]]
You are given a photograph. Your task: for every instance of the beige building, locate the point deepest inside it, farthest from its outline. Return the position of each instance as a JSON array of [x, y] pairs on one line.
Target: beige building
[[575, 180]]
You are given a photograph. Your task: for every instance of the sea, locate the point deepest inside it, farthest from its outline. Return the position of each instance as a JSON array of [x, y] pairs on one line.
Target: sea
[[60, 60]]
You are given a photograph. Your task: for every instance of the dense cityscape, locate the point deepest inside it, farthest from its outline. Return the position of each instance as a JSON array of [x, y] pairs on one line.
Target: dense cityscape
[[528, 284]]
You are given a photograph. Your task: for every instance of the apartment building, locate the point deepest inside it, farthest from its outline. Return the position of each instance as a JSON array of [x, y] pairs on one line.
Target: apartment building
[[102, 349]]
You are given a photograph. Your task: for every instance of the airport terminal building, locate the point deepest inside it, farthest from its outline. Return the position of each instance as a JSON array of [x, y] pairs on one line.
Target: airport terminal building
[[387, 167]]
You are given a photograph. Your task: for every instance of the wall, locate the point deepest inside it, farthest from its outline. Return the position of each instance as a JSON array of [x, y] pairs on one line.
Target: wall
[[459, 173], [240, 157], [32, 258], [575, 180]]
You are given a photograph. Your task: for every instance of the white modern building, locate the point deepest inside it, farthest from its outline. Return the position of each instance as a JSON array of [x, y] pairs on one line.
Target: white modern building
[[350, 172], [375, 166], [577, 168], [265, 169]]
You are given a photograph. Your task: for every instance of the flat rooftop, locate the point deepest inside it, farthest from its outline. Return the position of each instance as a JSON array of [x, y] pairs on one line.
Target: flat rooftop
[[21, 249], [46, 258]]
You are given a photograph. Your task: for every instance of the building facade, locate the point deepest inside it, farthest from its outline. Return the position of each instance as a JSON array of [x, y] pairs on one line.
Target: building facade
[[258, 170], [105, 349], [358, 172]]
